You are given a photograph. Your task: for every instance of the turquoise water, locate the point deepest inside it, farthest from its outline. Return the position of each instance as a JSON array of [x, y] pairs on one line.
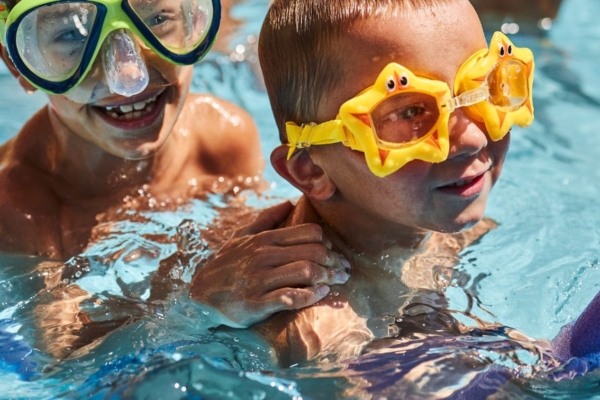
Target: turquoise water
[[535, 273]]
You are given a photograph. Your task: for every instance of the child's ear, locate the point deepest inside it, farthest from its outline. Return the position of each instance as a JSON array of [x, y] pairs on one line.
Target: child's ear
[[29, 88], [303, 173]]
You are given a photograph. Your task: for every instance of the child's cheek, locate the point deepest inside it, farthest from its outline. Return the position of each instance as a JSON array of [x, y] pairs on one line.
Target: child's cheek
[[498, 151], [64, 107]]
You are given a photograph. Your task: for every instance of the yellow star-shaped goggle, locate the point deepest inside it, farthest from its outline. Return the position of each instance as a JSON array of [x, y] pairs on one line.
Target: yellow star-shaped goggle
[[403, 117]]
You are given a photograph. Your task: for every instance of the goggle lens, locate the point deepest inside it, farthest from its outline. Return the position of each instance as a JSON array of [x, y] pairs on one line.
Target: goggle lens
[[508, 85], [180, 25], [404, 118], [51, 40]]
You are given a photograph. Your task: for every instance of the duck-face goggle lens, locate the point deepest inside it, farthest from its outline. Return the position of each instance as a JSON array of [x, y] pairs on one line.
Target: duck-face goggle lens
[[408, 117], [404, 118], [508, 85]]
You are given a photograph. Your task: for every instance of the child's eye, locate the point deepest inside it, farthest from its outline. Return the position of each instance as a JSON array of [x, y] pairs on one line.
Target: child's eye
[[156, 20], [391, 84], [72, 35], [406, 113], [413, 111], [403, 80]]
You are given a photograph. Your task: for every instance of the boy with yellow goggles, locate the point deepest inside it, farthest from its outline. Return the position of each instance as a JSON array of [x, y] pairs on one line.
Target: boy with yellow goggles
[[403, 117], [55, 57]]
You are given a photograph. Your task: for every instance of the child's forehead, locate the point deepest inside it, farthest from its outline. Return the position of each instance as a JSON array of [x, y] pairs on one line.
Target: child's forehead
[[431, 43]]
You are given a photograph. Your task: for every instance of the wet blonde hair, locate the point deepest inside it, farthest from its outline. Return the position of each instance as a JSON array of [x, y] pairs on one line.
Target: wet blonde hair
[[298, 54]]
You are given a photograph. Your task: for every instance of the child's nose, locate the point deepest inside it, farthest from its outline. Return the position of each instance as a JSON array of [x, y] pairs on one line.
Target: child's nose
[[467, 139], [124, 65]]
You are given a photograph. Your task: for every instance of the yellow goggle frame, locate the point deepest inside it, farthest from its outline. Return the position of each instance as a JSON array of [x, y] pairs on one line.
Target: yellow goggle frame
[[487, 93]]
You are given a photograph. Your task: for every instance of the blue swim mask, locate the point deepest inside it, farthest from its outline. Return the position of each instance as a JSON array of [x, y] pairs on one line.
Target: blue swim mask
[[54, 44]]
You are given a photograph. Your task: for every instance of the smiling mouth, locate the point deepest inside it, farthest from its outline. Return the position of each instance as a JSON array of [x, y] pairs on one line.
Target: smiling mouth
[[464, 182], [129, 112], [467, 187], [131, 115]]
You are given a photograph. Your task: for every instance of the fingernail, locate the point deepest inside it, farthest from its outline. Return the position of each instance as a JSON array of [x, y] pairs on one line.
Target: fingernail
[[341, 277], [322, 290], [345, 263]]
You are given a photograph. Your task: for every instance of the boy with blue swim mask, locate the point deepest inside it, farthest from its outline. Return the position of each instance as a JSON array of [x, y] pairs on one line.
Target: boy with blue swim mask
[[117, 74], [120, 121], [395, 119]]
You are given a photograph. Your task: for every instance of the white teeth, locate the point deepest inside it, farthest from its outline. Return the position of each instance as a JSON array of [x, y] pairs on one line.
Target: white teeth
[[127, 108], [131, 111]]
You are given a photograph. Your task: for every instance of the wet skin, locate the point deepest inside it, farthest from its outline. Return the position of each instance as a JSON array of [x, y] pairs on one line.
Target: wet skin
[[370, 218], [417, 198], [76, 159]]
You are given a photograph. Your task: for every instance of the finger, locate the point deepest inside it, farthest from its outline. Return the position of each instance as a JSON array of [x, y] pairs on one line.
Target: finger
[[294, 235], [301, 274], [268, 219], [269, 257], [292, 299]]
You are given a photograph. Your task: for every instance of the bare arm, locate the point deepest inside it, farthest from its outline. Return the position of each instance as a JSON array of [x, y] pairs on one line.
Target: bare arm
[[29, 214]]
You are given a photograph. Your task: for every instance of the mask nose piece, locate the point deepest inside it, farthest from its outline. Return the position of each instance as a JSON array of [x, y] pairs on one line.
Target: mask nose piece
[[124, 67]]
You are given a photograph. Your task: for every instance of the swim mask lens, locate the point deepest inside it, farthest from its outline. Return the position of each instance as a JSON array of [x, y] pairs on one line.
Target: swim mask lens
[[54, 43], [51, 40], [179, 25]]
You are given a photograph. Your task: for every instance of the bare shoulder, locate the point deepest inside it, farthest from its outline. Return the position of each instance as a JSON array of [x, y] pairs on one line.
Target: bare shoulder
[[331, 326], [228, 138]]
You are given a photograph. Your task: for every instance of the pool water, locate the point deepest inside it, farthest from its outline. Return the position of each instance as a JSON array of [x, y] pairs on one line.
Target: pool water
[[128, 331]]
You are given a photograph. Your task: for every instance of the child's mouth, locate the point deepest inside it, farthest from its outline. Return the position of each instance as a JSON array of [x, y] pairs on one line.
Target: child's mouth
[[131, 111], [468, 187], [137, 115]]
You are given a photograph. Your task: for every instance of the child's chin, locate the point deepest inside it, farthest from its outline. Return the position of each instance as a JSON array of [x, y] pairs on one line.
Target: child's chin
[[458, 223], [141, 154], [137, 150], [463, 224]]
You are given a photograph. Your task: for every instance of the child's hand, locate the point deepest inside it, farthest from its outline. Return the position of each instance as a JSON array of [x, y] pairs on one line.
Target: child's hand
[[261, 271]]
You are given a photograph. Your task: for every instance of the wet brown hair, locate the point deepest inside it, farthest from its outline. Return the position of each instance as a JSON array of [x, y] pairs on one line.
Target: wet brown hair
[[298, 55]]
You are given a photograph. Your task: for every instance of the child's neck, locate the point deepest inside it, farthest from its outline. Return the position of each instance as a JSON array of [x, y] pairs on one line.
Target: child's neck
[[374, 251], [367, 234]]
